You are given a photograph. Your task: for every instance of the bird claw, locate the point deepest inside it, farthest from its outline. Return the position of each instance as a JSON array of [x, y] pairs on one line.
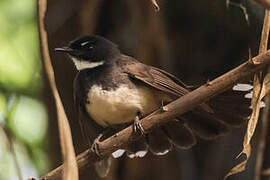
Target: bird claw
[[95, 145], [163, 108], [137, 127]]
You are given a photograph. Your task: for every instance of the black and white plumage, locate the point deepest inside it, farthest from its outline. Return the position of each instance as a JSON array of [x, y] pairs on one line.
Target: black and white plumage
[[111, 90]]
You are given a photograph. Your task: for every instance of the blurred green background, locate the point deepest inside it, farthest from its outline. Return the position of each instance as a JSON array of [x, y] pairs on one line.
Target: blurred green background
[[23, 116]]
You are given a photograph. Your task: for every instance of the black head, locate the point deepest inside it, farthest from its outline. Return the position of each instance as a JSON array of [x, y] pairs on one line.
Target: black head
[[91, 49]]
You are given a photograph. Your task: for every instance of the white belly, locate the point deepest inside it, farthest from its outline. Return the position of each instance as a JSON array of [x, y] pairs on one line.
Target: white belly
[[121, 105]]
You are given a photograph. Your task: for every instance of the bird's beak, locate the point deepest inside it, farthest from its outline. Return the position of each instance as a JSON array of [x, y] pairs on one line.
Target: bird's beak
[[64, 49]]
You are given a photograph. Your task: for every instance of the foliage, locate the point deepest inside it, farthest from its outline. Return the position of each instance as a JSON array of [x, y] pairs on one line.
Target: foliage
[[22, 114]]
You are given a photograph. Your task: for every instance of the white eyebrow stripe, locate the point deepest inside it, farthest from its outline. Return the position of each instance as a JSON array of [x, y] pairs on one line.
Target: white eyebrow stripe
[[84, 43]]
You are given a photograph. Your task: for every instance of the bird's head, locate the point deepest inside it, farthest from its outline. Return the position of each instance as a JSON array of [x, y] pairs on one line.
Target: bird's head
[[90, 51]]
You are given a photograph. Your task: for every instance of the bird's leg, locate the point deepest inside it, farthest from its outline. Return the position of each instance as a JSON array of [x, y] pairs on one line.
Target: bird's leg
[[95, 144], [137, 127], [163, 108]]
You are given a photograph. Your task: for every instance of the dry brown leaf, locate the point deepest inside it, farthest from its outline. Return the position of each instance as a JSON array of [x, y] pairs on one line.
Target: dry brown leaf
[[264, 3], [70, 170], [154, 2], [255, 104], [266, 85], [259, 91], [240, 167]]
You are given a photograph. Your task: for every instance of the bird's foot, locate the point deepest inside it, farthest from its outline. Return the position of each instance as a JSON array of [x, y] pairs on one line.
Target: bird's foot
[[137, 127], [163, 108], [95, 145]]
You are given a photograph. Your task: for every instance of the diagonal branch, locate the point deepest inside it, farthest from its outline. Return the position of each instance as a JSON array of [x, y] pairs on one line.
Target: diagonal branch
[[170, 111]]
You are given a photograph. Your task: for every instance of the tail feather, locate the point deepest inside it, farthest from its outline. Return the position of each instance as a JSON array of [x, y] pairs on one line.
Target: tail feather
[[138, 148], [232, 107], [179, 134], [205, 125], [158, 142]]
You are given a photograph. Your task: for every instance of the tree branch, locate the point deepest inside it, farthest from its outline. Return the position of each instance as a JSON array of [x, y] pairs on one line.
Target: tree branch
[[168, 112]]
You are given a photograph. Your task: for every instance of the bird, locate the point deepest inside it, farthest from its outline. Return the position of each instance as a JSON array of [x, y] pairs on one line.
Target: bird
[[112, 90]]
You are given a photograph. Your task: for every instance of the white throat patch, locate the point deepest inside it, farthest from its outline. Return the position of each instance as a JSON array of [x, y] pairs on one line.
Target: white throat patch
[[81, 65]]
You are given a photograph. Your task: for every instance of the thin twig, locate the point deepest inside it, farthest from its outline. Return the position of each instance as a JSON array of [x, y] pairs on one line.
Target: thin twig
[[175, 109], [242, 7], [11, 149], [70, 164], [15, 158]]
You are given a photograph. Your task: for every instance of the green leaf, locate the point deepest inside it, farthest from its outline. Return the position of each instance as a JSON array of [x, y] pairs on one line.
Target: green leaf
[[28, 120]]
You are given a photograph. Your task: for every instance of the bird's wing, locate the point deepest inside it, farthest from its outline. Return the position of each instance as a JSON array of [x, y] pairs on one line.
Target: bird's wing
[[154, 77], [157, 78]]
